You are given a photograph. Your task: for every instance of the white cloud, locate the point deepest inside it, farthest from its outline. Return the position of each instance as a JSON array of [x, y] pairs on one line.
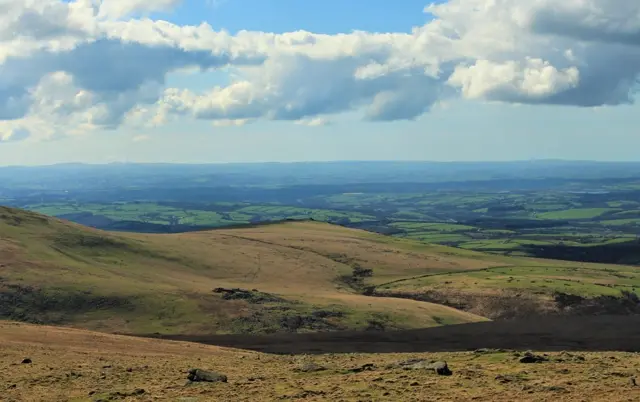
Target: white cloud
[[314, 122], [512, 80], [230, 122], [122, 8], [68, 67]]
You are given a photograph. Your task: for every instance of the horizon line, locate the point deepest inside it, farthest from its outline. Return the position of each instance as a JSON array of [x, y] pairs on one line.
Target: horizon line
[[324, 162]]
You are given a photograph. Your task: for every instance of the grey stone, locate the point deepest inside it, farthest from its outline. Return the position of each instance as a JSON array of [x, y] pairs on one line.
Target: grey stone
[[199, 375]]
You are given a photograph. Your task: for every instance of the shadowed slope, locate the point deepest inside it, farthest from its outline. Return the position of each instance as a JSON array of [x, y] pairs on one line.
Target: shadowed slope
[[604, 333]]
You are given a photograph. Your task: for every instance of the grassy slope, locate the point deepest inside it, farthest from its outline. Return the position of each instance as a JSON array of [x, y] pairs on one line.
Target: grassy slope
[[136, 283], [73, 364], [57, 272]]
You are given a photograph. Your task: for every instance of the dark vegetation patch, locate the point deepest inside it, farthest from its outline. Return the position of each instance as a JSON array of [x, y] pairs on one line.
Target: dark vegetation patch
[[626, 304], [79, 239], [506, 306], [16, 217], [53, 306], [87, 219], [356, 279], [514, 305], [266, 313], [616, 253], [283, 318], [250, 296]]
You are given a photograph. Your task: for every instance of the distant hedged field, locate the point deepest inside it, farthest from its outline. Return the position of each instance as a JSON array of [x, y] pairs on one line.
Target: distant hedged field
[[564, 210]]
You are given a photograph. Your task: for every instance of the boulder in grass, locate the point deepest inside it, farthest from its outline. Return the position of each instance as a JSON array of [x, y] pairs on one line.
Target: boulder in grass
[[199, 375]]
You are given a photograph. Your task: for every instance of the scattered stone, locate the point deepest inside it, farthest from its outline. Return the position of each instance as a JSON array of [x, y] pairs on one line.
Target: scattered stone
[[198, 375], [310, 367], [530, 357], [439, 368], [364, 367], [483, 351], [507, 378], [129, 370], [555, 388], [566, 356], [26, 361]]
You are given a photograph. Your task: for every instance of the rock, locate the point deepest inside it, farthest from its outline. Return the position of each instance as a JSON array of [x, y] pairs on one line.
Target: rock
[[483, 351], [411, 364], [507, 378], [440, 368], [129, 370], [529, 357], [414, 384], [554, 388], [309, 367], [364, 367], [633, 382], [26, 361], [198, 375]]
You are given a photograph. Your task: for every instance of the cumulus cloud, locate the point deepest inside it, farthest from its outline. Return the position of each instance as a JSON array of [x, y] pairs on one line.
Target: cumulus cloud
[[515, 81], [121, 8], [100, 64]]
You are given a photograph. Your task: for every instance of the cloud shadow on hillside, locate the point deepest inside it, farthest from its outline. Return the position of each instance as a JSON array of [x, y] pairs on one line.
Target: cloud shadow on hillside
[[602, 333]]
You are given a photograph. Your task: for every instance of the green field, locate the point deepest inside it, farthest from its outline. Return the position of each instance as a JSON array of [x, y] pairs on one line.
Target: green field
[[512, 223], [577, 213]]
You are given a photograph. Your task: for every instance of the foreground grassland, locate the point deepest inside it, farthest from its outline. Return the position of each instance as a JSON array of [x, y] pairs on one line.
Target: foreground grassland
[[76, 365]]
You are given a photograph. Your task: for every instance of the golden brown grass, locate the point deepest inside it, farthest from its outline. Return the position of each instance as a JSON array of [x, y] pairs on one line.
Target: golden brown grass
[[170, 278], [69, 365]]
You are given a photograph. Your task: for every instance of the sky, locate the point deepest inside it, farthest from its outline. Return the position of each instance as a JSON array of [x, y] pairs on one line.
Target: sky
[[211, 81]]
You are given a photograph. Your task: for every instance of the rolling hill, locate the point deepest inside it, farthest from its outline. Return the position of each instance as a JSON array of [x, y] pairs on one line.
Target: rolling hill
[[292, 277], [286, 277]]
